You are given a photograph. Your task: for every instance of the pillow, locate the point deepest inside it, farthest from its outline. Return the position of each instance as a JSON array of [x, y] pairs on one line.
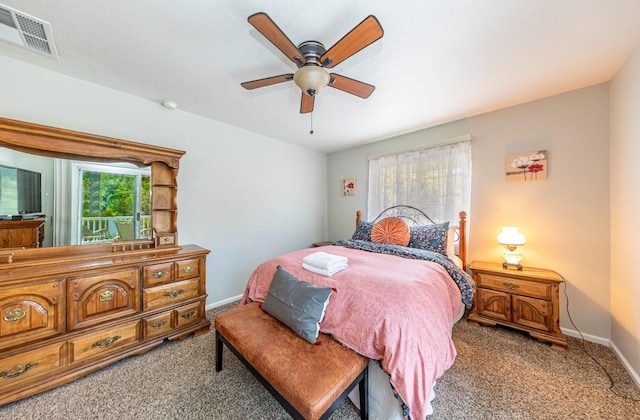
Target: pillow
[[430, 238], [391, 230], [363, 232], [451, 240], [297, 304]]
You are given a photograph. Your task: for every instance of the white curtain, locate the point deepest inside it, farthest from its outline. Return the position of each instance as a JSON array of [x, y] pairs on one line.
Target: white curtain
[[62, 202], [436, 180]]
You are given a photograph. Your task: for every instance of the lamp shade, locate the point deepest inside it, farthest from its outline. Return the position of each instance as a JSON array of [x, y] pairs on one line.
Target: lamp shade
[[511, 236], [311, 79]]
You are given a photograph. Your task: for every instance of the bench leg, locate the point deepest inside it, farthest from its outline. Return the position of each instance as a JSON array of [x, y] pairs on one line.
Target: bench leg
[[364, 395], [218, 352]]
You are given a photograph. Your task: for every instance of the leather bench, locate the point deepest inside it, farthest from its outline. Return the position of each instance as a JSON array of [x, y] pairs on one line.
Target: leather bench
[[310, 381]]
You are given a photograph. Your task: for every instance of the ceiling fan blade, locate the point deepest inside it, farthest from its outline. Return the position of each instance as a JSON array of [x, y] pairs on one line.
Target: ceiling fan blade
[[365, 33], [263, 23], [267, 81], [352, 86], [306, 105]]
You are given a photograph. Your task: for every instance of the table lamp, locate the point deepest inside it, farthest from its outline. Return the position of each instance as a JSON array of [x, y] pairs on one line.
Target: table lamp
[[511, 239]]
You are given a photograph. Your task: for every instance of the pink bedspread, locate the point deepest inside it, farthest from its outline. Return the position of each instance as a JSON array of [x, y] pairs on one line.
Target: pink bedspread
[[386, 308]]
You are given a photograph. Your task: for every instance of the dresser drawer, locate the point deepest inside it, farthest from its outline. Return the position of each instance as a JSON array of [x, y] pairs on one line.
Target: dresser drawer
[[158, 297], [156, 325], [94, 299], [31, 364], [188, 268], [157, 274], [165, 322], [189, 314], [511, 285], [102, 342], [31, 312]]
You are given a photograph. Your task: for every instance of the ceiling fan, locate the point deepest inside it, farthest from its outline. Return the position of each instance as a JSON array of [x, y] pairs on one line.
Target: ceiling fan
[[312, 59]]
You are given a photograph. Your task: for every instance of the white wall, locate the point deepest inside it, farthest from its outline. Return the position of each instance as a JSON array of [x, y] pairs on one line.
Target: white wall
[[565, 218], [625, 211], [244, 196]]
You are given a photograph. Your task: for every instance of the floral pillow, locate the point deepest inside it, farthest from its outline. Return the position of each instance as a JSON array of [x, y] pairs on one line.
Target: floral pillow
[[363, 232], [430, 238]]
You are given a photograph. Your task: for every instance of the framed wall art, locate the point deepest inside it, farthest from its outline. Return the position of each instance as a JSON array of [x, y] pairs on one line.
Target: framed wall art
[[349, 186], [527, 166]]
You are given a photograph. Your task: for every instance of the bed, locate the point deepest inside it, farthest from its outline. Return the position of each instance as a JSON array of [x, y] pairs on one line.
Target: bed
[[395, 303]]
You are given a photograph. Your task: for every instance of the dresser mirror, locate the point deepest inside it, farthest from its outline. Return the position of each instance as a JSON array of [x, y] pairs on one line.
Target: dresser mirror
[[94, 189]]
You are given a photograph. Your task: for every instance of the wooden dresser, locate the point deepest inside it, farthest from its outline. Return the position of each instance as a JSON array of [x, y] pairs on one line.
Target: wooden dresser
[[22, 233], [525, 299], [68, 311]]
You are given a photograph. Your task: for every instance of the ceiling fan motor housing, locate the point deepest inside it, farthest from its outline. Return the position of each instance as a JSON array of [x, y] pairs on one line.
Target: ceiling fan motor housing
[[312, 51], [311, 77]]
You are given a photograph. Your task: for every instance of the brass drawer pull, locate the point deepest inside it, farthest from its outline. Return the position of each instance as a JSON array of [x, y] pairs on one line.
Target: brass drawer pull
[[510, 286], [159, 324], [188, 269], [17, 370], [106, 296], [188, 315], [106, 342], [15, 315], [174, 293], [159, 274]]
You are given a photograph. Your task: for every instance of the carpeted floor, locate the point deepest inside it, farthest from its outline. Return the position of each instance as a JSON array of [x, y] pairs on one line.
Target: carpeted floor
[[499, 373]]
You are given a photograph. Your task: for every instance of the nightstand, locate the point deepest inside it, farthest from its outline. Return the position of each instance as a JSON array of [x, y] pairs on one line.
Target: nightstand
[[527, 300], [319, 244]]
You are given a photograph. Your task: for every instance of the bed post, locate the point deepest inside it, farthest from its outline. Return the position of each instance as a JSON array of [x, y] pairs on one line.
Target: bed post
[[358, 215], [462, 244]]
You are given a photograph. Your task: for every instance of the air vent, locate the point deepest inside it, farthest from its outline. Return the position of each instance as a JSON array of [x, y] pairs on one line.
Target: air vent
[[27, 31]]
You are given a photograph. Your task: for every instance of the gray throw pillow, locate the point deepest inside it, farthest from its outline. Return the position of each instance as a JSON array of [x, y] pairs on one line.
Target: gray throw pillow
[[297, 304]]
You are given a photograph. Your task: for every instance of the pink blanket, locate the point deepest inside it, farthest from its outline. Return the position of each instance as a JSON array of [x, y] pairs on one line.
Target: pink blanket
[[386, 308]]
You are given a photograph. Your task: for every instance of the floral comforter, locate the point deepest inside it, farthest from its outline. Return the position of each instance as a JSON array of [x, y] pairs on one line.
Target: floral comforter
[[397, 310]]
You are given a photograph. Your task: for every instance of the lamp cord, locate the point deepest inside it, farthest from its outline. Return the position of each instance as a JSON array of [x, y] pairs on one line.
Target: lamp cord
[[584, 346]]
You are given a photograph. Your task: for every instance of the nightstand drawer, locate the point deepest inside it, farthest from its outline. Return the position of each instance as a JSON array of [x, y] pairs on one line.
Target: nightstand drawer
[[511, 285]]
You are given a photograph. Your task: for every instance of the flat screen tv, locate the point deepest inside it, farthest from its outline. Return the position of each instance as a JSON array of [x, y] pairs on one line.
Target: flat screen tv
[[20, 191]]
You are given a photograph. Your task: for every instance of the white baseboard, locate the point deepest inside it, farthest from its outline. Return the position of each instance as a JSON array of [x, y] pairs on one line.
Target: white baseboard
[[608, 343], [634, 375], [594, 339], [222, 302]]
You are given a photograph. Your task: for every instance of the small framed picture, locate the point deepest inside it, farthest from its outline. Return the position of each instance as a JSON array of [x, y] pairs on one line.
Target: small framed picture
[[349, 186], [527, 166]]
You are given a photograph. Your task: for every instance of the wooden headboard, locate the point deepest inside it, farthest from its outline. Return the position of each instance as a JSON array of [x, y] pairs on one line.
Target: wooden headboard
[[416, 217]]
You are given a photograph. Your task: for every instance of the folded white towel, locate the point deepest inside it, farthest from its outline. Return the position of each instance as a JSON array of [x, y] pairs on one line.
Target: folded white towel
[[325, 261], [328, 272]]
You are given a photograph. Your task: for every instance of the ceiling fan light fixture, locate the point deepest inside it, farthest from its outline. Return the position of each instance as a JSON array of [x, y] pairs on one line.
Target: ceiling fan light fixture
[[311, 79]]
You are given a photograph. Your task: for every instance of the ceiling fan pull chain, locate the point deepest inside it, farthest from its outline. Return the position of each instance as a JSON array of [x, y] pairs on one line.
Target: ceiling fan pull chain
[[311, 132]]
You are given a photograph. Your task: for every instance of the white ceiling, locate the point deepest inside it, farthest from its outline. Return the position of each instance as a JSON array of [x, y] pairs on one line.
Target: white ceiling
[[438, 61]]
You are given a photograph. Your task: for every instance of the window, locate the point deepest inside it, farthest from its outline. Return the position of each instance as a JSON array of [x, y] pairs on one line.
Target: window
[[437, 180], [113, 202]]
